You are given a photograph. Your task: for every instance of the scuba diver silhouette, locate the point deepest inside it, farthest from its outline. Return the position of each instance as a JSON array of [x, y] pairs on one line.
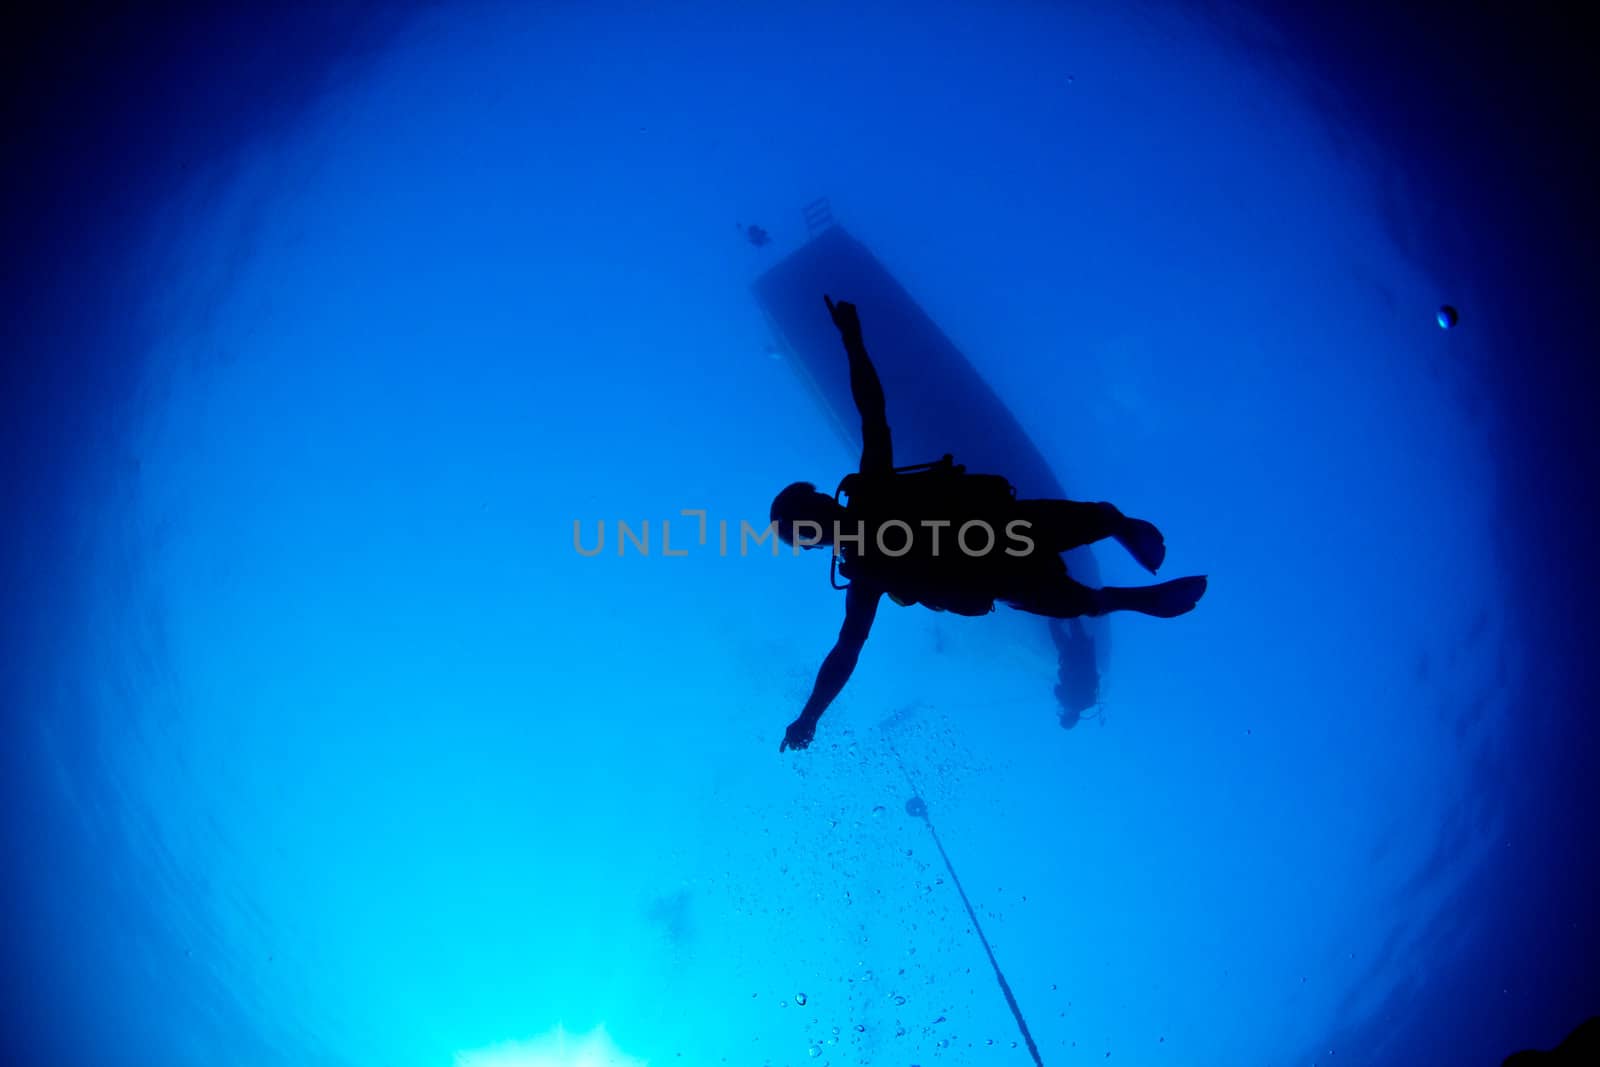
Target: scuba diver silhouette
[[935, 535]]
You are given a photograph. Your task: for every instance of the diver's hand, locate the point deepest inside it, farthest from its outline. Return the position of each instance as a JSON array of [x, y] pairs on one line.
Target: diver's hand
[[845, 318], [799, 734]]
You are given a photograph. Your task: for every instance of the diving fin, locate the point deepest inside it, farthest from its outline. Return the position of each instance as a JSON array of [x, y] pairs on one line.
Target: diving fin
[[1165, 601], [1143, 542]]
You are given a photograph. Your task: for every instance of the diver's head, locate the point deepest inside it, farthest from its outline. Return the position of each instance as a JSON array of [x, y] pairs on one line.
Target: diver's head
[[801, 513]]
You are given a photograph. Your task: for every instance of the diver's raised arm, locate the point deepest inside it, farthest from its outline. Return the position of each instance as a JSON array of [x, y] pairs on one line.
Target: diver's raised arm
[[860, 608], [877, 451]]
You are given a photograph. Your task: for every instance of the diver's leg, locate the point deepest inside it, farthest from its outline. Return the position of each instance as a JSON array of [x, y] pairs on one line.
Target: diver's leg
[[1057, 597], [1066, 524], [1058, 525], [1063, 598]]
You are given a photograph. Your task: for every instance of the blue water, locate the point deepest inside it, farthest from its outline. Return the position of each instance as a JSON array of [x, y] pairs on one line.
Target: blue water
[[326, 747]]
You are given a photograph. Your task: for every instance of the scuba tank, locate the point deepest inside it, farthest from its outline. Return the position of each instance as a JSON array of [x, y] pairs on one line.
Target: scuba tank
[[938, 489]]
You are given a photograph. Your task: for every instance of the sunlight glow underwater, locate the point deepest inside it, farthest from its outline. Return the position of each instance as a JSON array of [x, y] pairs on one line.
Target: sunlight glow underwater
[[557, 1048]]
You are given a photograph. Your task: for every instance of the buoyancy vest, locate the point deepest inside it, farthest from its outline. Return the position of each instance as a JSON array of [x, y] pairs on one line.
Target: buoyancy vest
[[929, 534]]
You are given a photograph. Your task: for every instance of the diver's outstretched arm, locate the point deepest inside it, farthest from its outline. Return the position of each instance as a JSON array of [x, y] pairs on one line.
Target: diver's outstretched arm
[[860, 608], [877, 452]]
